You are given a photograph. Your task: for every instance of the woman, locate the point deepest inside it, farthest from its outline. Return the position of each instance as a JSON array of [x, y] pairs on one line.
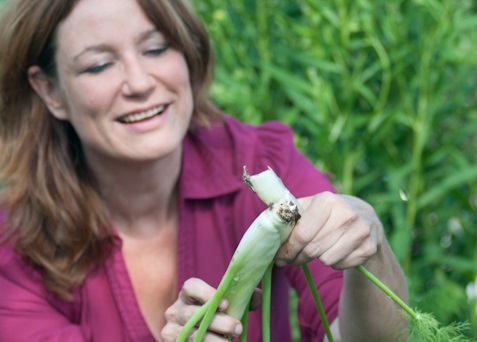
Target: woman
[[122, 202]]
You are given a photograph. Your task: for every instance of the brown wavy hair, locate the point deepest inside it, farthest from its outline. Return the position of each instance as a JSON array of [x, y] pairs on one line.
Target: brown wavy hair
[[54, 214]]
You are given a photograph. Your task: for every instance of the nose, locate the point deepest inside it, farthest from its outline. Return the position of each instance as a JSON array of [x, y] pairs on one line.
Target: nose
[[137, 81]]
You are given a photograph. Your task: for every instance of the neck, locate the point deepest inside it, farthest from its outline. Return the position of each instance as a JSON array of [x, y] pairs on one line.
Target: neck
[[141, 197]]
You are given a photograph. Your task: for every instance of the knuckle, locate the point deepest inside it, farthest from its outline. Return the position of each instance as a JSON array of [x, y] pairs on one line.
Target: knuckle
[[370, 249], [351, 217], [327, 195], [362, 231], [328, 198], [186, 313], [223, 324], [311, 251], [325, 260], [170, 313], [302, 236], [168, 333], [189, 284]]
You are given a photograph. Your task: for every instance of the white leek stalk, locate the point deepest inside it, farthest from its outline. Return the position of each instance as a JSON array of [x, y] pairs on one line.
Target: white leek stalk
[[254, 253], [268, 187]]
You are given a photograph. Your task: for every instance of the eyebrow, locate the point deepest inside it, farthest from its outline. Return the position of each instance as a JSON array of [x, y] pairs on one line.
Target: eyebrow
[[92, 48], [105, 47], [148, 34]]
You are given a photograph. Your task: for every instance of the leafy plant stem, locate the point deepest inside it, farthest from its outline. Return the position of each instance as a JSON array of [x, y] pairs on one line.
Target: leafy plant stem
[[388, 291], [266, 303], [244, 321], [317, 300], [192, 322], [214, 304], [424, 327]]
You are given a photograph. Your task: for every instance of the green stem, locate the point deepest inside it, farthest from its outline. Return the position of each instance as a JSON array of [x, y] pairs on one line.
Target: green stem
[[214, 304], [266, 303], [319, 305], [388, 291], [191, 323], [244, 321]]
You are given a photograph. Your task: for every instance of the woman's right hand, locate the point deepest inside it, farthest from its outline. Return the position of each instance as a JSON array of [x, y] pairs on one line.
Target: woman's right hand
[[194, 293]]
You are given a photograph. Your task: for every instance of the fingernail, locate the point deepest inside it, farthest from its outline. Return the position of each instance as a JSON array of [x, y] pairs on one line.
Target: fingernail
[[238, 329], [280, 263]]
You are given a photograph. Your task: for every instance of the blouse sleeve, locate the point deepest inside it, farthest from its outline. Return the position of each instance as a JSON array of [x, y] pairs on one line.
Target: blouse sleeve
[[302, 179], [25, 311]]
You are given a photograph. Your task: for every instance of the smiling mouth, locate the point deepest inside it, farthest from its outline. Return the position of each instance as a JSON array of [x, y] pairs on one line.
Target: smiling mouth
[[141, 116]]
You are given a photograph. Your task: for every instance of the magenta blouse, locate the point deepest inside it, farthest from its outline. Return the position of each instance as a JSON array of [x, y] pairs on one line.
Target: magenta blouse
[[214, 211]]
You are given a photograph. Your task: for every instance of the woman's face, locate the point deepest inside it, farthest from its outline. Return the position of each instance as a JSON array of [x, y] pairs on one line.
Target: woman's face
[[124, 90]]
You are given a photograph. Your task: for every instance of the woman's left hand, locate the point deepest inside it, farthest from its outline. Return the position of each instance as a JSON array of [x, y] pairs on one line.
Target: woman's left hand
[[341, 231]]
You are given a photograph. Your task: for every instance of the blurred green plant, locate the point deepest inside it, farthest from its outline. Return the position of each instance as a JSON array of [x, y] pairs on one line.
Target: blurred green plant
[[381, 95]]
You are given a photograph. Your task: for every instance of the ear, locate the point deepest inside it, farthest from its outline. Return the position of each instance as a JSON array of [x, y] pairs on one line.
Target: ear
[[45, 87]]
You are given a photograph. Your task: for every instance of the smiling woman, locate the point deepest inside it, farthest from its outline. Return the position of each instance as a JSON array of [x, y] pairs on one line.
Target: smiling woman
[[120, 174], [112, 92], [109, 73]]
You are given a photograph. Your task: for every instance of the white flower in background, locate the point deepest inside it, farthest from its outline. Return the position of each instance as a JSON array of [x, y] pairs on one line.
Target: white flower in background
[[455, 226], [471, 290]]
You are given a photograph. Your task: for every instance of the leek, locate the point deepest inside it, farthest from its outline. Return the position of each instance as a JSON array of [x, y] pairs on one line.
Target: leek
[[254, 254], [269, 188]]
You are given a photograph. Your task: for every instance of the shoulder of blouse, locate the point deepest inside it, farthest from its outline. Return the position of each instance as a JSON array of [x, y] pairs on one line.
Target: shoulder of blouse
[[217, 155]]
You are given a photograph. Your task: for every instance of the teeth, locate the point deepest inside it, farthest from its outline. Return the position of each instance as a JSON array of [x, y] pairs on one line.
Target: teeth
[[136, 117]]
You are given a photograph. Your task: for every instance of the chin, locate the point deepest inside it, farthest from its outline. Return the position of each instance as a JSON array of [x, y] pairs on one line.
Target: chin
[[155, 154]]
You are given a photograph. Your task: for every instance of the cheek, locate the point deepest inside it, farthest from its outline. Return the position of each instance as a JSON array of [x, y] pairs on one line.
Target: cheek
[[178, 81], [86, 101], [186, 86], [178, 72], [84, 113]]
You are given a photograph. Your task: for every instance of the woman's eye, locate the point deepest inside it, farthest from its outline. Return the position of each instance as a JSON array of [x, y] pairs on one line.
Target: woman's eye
[[97, 68], [157, 50]]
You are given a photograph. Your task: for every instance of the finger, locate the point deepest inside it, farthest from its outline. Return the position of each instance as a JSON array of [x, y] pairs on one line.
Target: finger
[[209, 337], [342, 224], [342, 237], [221, 323], [225, 325], [170, 333], [353, 259], [196, 292], [316, 231], [349, 252], [306, 229], [304, 202], [180, 313]]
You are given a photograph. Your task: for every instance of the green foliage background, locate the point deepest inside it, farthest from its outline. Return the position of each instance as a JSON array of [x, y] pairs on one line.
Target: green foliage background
[[382, 95]]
